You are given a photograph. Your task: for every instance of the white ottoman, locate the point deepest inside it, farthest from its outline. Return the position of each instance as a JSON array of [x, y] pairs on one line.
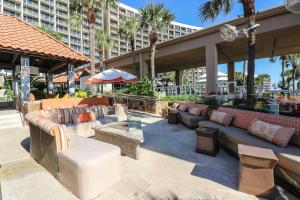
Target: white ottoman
[[89, 167]]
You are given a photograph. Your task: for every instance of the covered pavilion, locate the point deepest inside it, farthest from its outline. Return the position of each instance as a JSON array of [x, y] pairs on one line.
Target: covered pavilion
[[26, 50], [277, 35]]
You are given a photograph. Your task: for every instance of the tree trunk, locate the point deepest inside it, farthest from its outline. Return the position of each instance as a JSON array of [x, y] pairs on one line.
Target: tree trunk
[[152, 60], [136, 69], [106, 16], [251, 61], [282, 73], [244, 72], [294, 76]]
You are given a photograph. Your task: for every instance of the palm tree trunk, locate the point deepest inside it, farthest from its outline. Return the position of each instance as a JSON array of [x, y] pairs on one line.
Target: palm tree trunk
[[92, 47], [244, 72], [106, 17], [251, 61], [282, 73], [152, 59], [136, 69], [294, 77]]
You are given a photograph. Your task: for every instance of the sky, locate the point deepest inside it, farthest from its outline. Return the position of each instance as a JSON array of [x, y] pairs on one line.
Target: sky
[[186, 11]]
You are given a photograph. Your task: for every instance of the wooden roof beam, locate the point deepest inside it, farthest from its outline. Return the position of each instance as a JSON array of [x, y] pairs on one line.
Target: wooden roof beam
[[57, 66]]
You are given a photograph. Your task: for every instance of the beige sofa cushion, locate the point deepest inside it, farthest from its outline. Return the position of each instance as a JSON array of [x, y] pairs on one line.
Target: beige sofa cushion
[[89, 167], [288, 157]]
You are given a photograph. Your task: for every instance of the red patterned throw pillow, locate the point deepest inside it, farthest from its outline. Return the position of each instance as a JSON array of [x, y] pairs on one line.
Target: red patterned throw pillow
[[221, 118], [270, 132], [83, 117]]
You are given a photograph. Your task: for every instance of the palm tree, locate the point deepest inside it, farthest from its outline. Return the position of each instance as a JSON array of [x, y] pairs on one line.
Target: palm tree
[[107, 4], [283, 66], [239, 77], [155, 17], [90, 8], [103, 42], [294, 61], [51, 32], [212, 8], [262, 79], [127, 30]]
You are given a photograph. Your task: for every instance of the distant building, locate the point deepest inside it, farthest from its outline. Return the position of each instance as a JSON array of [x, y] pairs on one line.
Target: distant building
[[53, 14]]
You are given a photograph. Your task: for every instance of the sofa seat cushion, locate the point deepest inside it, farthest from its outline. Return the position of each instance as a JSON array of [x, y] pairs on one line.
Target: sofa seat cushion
[[190, 119], [288, 157], [89, 167]]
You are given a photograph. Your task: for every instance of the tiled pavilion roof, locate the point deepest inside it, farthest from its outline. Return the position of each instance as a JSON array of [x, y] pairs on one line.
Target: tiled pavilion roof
[[21, 37]]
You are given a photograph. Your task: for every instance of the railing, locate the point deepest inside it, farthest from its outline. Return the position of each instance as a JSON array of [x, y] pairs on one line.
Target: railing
[[145, 104]]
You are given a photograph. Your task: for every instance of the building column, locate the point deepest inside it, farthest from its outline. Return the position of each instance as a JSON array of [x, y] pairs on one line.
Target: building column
[[230, 76], [178, 77], [50, 86], [25, 78], [71, 80], [211, 68]]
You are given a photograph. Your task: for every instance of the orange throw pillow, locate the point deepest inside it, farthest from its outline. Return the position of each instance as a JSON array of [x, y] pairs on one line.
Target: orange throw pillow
[[83, 117]]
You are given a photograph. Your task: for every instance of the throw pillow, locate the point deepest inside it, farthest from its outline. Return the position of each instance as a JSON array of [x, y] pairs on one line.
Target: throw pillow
[[221, 117], [270, 132], [83, 117], [183, 107], [175, 105], [195, 111]]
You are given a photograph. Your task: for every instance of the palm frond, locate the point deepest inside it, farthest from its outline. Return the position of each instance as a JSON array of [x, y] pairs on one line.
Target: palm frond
[[156, 16], [212, 8], [129, 27], [103, 40]]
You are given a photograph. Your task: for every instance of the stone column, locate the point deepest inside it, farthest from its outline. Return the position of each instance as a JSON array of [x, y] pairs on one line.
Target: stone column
[[211, 68], [71, 80], [230, 75], [25, 79]]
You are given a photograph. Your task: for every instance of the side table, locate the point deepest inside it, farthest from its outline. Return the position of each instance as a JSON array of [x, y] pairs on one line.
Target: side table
[[207, 141], [256, 171], [173, 117]]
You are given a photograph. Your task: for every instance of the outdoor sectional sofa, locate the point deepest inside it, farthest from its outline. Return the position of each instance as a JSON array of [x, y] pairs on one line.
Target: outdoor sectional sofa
[[288, 166], [84, 165], [189, 119]]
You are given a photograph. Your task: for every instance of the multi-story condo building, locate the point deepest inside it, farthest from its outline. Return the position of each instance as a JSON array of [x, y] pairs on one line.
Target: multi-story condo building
[[53, 14]]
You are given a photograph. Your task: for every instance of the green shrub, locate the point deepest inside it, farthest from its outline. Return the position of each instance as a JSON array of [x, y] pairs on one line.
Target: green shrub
[[143, 87], [82, 94], [190, 98]]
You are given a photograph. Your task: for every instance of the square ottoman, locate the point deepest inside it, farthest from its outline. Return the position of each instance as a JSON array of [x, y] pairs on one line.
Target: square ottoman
[[89, 167]]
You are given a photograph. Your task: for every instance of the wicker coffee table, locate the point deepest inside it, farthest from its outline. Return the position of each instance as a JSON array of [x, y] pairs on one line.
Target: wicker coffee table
[[119, 134]]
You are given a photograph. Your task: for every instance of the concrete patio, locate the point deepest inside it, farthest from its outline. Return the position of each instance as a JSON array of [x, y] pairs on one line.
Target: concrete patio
[[169, 168]]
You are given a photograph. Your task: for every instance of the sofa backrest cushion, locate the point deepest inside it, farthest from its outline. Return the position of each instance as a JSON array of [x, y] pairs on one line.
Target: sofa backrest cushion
[[243, 119], [272, 133], [73, 102], [221, 117]]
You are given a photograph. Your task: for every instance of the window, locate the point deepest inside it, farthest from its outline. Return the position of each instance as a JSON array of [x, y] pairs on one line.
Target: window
[[30, 20]]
